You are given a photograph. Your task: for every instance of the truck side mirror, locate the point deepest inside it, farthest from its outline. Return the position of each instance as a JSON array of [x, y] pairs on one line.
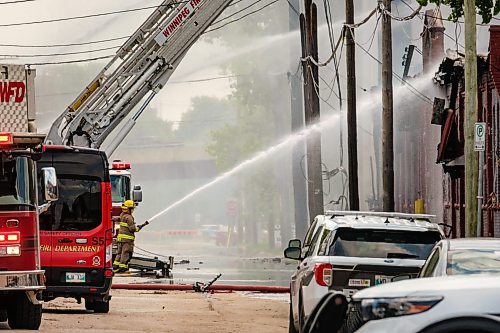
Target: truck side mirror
[[137, 193], [294, 243], [49, 184], [293, 253]]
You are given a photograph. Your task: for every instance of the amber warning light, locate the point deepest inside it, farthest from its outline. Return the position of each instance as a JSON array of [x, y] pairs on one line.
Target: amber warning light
[[5, 139]]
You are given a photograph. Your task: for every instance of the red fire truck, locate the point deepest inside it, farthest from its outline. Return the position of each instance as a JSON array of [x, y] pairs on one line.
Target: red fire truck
[[77, 231], [21, 277], [121, 186]]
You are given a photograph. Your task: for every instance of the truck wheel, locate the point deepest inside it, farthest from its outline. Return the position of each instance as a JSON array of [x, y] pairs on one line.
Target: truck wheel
[[89, 305], [101, 306], [3, 315], [22, 314]]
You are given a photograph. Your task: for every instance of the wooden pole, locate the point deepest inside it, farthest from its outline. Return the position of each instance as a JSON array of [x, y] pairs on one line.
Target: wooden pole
[[387, 113], [352, 136], [471, 156]]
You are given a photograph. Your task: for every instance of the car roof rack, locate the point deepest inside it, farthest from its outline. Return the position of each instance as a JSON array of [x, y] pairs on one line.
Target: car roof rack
[[405, 216]]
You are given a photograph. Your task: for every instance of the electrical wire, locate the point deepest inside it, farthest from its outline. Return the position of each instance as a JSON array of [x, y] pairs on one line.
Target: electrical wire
[[237, 12], [69, 61], [59, 54], [65, 45], [242, 17], [414, 90], [13, 2]]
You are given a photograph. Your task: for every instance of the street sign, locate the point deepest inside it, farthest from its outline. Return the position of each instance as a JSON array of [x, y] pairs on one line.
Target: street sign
[[480, 137]]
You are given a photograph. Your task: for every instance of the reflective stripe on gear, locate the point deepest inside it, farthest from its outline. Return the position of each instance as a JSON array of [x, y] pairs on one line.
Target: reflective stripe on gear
[[123, 224], [116, 263], [123, 265], [122, 237]]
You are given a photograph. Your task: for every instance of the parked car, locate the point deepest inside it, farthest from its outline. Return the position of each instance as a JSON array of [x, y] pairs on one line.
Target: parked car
[[307, 285], [462, 303], [349, 251], [463, 256]]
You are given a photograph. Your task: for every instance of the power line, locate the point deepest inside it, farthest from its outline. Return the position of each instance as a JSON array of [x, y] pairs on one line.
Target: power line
[[65, 45], [69, 61], [57, 54], [242, 17], [13, 2], [414, 90], [237, 12]]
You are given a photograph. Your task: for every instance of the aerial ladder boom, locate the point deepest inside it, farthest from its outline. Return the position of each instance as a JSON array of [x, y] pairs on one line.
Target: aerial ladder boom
[[142, 66]]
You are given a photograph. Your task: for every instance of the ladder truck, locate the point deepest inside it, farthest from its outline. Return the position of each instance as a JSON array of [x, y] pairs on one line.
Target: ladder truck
[[21, 276], [139, 70]]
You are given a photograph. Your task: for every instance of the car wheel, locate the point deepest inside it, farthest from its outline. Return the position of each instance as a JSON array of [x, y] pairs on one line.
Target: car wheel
[[353, 320], [291, 324], [101, 306]]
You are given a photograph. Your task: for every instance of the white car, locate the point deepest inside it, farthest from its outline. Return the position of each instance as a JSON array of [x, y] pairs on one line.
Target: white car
[[434, 304], [349, 251]]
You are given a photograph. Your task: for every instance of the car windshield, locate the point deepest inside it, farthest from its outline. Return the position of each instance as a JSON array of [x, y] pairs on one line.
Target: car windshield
[[473, 261], [370, 243]]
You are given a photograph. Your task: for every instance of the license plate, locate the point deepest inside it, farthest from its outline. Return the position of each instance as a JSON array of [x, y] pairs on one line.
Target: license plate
[[381, 279], [75, 277]]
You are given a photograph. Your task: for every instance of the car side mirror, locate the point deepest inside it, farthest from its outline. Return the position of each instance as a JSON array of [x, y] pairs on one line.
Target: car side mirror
[[293, 253], [401, 277], [294, 243], [328, 315], [137, 193], [49, 184]]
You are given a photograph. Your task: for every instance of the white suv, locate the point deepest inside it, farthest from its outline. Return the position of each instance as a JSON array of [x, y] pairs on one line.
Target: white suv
[[349, 251]]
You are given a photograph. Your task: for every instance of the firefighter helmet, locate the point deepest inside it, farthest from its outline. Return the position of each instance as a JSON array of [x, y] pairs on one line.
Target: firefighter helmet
[[127, 204]]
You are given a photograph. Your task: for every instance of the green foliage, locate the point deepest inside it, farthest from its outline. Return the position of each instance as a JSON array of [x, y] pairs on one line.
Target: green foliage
[[486, 8], [205, 115]]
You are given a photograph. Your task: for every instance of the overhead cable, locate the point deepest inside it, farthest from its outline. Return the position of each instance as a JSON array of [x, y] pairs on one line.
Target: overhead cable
[[58, 54], [65, 45]]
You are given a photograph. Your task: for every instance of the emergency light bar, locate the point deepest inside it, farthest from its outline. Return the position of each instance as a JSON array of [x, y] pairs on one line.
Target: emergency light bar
[[6, 139], [121, 165]]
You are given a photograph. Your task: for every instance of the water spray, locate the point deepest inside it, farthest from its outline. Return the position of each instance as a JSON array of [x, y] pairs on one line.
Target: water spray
[[364, 106]]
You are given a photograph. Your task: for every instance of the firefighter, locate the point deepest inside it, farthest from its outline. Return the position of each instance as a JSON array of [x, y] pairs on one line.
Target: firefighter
[[126, 237]]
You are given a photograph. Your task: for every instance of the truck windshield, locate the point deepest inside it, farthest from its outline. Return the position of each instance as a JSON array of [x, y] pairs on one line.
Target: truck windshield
[[371, 243], [80, 175], [17, 184], [120, 188]]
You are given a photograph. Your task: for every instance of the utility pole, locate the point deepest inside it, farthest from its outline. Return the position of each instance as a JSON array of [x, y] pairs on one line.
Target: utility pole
[[352, 135], [471, 157], [297, 119], [309, 39], [387, 112]]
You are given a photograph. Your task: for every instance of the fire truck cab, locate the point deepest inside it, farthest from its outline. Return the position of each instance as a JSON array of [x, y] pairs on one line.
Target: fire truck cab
[[121, 186], [77, 232], [121, 189], [21, 276]]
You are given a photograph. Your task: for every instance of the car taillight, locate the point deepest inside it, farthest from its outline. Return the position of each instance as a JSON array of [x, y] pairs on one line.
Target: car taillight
[[323, 273], [108, 273]]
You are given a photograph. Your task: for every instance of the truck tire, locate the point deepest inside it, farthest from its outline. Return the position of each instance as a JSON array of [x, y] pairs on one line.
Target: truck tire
[[89, 305], [22, 314], [101, 306], [3, 315]]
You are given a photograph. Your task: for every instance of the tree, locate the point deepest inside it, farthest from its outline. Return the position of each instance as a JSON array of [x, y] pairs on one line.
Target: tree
[[486, 8]]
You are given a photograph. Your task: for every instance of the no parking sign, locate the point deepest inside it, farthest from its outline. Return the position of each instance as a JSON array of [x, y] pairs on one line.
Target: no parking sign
[[480, 137]]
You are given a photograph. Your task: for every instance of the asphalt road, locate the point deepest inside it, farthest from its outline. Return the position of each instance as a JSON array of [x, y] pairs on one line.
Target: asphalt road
[[185, 312]]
